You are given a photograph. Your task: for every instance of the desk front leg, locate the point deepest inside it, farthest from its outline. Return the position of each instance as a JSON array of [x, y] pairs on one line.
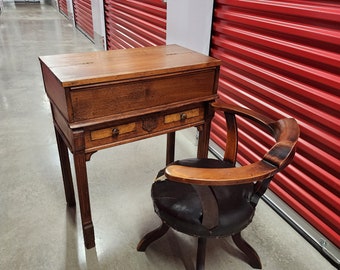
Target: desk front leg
[[65, 169], [83, 189]]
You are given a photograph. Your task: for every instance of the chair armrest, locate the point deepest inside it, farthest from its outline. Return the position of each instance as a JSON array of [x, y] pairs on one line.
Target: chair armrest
[[221, 176], [285, 131]]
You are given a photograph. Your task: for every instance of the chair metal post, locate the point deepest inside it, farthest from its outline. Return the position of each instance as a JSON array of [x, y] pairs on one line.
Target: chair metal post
[[200, 260]]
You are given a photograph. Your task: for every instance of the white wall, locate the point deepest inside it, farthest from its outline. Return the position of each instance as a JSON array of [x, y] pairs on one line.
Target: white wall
[[189, 24], [98, 19]]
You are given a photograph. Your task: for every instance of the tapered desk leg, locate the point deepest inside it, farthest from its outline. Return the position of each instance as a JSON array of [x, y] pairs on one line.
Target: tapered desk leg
[[83, 189], [84, 199], [204, 134], [66, 170], [203, 140], [170, 147], [82, 184]]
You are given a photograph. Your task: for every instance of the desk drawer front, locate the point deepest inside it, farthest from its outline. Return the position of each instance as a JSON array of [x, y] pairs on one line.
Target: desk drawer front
[[182, 116], [116, 98], [144, 127], [113, 131]]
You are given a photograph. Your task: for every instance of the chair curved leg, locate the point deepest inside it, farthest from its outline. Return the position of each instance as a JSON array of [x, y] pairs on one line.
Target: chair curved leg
[[152, 236], [253, 258], [200, 259]]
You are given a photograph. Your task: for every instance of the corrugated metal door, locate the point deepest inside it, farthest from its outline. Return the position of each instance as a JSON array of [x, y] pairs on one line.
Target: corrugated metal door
[[83, 17], [63, 7], [281, 58], [133, 23]]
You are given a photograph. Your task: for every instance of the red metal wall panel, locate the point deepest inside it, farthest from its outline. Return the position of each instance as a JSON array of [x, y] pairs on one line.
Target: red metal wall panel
[[63, 7], [132, 23], [282, 58], [83, 17]]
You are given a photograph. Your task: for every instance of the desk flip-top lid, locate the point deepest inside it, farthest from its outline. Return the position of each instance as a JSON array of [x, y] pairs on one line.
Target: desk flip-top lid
[[103, 66]]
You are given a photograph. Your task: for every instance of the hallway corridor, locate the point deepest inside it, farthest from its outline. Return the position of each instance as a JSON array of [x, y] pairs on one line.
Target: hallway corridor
[[38, 231]]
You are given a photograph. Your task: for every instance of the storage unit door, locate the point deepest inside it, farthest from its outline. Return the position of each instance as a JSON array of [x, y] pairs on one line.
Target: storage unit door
[[63, 7], [133, 23], [83, 17], [281, 58]]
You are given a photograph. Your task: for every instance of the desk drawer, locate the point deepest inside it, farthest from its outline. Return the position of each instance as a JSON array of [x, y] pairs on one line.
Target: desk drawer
[[143, 127], [114, 131], [108, 99]]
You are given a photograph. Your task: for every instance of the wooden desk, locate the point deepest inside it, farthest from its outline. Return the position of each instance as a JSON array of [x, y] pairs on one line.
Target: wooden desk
[[103, 99]]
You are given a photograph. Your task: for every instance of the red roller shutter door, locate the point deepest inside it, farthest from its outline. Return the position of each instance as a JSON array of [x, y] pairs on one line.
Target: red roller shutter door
[[63, 7], [132, 24], [281, 58], [83, 17]]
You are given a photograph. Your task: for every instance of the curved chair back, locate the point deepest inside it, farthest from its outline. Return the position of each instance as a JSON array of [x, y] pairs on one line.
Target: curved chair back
[[285, 131]]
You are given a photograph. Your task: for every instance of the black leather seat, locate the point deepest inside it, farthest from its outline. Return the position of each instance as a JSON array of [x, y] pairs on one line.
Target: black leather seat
[[179, 204]]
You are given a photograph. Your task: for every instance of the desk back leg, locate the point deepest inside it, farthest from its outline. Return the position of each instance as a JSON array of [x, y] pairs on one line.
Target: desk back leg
[[204, 133], [203, 140]]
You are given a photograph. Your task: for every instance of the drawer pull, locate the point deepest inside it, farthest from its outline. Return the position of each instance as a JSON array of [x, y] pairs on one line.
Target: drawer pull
[[115, 132], [183, 116]]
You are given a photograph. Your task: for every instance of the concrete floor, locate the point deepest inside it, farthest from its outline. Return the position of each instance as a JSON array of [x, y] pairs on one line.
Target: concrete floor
[[38, 231]]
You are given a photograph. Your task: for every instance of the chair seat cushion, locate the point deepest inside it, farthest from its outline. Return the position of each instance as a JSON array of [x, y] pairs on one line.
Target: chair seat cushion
[[179, 205]]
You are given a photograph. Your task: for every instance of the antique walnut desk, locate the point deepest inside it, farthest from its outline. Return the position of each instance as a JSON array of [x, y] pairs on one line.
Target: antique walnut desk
[[103, 99]]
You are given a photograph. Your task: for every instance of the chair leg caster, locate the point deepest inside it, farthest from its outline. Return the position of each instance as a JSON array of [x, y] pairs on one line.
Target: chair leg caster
[[253, 258], [152, 236]]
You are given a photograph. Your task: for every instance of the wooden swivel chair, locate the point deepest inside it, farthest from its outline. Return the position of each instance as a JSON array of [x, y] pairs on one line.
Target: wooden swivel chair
[[214, 198]]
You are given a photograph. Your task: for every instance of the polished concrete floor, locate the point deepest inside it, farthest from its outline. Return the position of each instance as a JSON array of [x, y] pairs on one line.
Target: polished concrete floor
[[38, 231]]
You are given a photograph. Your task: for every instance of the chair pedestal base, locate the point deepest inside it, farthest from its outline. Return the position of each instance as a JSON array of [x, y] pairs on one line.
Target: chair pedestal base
[[152, 236], [253, 258]]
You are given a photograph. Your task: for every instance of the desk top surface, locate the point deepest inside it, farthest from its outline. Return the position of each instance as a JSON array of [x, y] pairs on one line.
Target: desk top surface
[[103, 66]]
